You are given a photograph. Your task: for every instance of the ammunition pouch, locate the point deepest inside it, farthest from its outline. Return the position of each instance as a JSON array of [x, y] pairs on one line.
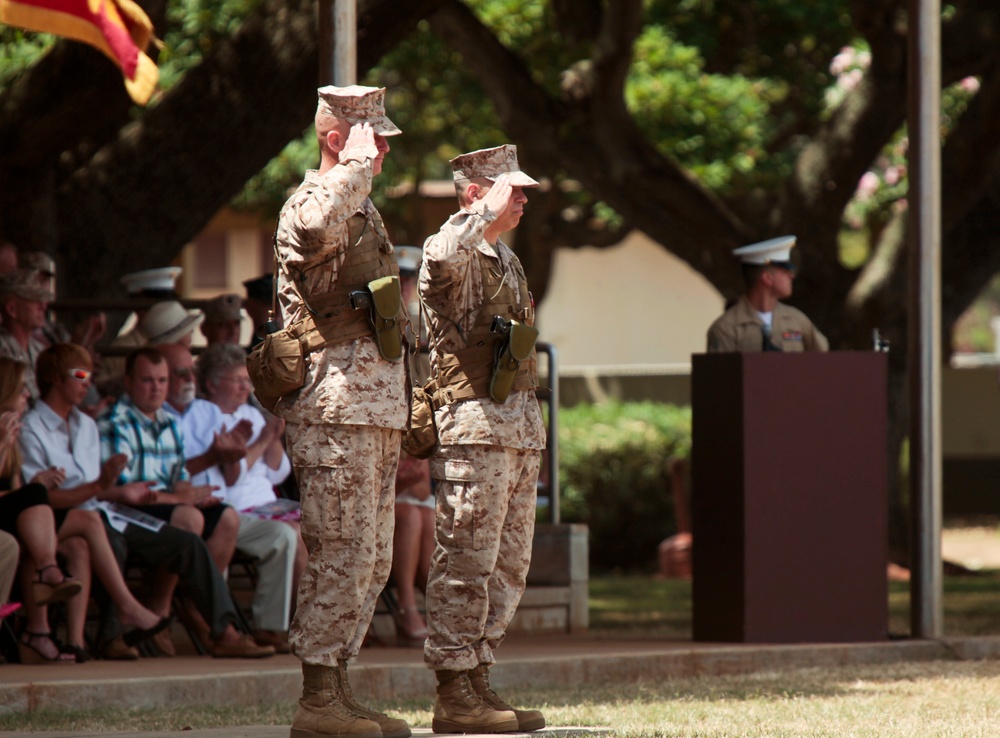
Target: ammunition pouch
[[277, 366], [516, 349], [420, 439], [387, 303]]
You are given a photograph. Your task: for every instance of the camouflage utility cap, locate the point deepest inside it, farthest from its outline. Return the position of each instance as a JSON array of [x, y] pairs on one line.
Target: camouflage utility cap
[[357, 104], [491, 163], [23, 283]]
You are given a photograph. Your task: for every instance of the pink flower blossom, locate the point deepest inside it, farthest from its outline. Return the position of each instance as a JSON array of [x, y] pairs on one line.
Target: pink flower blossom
[[867, 186]]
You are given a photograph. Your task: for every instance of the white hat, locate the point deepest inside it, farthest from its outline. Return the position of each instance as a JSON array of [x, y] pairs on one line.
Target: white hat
[[152, 280], [168, 321], [408, 257], [773, 251]]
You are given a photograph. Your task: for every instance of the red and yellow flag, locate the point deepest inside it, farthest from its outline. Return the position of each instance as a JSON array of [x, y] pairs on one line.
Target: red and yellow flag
[[119, 28]]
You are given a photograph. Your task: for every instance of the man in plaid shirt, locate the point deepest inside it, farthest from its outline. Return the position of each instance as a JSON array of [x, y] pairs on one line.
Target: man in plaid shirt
[[138, 427]]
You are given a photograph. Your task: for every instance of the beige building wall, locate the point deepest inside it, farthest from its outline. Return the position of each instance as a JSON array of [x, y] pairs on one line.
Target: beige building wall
[[970, 412], [627, 305]]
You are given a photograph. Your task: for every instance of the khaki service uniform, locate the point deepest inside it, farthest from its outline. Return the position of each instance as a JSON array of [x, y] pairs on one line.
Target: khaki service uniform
[[344, 425], [739, 330], [487, 467]]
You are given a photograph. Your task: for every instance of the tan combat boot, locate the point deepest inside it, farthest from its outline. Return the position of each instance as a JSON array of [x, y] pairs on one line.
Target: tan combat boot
[[321, 710], [527, 720], [391, 727], [459, 709]]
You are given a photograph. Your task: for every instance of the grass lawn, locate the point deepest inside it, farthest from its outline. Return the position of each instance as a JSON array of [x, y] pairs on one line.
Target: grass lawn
[[644, 607], [945, 699], [937, 699]]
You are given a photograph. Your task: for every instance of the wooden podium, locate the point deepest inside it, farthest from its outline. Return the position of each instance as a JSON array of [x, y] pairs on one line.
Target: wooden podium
[[788, 493]]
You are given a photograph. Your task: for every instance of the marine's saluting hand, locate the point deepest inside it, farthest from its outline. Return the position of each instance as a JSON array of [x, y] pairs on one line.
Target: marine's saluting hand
[[497, 199], [361, 136]]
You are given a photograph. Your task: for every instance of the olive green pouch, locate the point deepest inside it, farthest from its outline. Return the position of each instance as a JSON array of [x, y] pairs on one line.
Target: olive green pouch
[[387, 302], [517, 348]]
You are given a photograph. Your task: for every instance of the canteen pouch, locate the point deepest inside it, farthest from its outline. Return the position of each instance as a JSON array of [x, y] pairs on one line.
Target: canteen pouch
[[277, 367], [420, 439], [387, 301], [517, 348]]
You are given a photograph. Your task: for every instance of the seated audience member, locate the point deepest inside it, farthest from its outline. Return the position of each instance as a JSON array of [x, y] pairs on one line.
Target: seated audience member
[[223, 320], [60, 447], [25, 513], [226, 385], [89, 329], [412, 545], [22, 311], [138, 427]]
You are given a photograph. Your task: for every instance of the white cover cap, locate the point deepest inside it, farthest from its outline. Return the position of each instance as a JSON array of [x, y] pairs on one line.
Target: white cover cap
[[774, 250]]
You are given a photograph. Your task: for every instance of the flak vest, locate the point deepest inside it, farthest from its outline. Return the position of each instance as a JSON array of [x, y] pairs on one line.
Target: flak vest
[[332, 320], [465, 374]]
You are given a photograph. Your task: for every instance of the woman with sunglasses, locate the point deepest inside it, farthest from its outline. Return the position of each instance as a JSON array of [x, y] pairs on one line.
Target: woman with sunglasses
[[25, 514], [61, 446]]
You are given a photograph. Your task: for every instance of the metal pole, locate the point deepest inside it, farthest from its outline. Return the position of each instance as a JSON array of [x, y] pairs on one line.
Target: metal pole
[[338, 25], [345, 49], [926, 612], [555, 514]]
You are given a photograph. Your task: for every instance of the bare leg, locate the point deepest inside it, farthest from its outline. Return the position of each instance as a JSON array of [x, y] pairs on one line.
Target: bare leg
[[37, 616], [405, 558], [426, 547], [87, 524], [77, 555], [36, 530], [222, 543]]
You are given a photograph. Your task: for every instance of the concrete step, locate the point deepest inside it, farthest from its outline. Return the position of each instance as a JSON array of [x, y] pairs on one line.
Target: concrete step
[[396, 673]]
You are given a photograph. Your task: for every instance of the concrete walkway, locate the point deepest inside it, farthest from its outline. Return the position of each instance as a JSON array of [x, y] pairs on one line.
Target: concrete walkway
[[394, 673]]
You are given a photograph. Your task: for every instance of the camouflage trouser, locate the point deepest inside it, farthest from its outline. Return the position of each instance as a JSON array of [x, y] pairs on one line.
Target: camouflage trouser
[[346, 476], [485, 523]]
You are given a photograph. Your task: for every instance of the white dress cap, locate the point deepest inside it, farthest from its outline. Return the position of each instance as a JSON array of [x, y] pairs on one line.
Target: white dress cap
[[767, 252], [163, 279]]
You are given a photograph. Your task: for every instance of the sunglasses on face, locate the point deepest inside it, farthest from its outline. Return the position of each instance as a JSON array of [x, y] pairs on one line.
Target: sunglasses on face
[[786, 265], [80, 375]]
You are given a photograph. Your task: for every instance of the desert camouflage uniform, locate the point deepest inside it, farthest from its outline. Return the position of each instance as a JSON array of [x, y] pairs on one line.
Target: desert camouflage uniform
[[343, 427], [486, 469]]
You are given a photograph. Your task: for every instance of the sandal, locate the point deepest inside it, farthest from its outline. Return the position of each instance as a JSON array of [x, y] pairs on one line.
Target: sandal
[[406, 638], [45, 593], [79, 654], [30, 653], [138, 635]]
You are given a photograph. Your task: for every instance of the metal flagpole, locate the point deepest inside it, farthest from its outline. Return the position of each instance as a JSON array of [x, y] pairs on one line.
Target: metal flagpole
[[338, 56], [926, 612]]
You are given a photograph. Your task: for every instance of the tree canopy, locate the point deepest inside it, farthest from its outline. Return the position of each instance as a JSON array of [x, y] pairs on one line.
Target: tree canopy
[[706, 125]]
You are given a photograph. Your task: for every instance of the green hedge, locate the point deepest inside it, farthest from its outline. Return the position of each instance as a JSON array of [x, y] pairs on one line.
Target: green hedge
[[614, 477]]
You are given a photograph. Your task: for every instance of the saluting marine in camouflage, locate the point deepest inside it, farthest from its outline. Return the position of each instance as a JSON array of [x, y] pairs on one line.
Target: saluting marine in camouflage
[[487, 466], [344, 425]]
